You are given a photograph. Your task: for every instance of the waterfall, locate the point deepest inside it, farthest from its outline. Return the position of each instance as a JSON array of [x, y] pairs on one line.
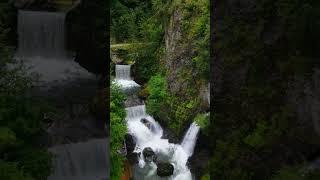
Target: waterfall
[[41, 48], [148, 133], [41, 34], [81, 161], [136, 111], [190, 138], [123, 72], [123, 78]]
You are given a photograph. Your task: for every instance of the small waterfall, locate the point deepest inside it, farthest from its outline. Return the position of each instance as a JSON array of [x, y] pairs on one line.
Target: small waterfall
[[81, 161], [41, 34], [148, 133], [136, 111], [190, 138], [123, 72], [42, 49], [123, 78]]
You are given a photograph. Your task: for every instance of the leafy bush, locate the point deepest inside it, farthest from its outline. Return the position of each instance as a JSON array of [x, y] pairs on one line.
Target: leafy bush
[[10, 171], [203, 120], [158, 95], [296, 173], [21, 117], [118, 130]]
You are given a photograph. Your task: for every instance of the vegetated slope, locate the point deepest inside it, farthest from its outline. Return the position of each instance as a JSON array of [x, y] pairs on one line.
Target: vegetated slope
[[266, 88]]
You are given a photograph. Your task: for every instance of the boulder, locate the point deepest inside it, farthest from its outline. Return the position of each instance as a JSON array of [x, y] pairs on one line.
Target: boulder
[[148, 154], [130, 143], [164, 169], [146, 123]]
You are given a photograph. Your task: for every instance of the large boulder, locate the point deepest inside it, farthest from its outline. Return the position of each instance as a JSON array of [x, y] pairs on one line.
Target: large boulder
[[130, 145], [164, 169], [148, 154]]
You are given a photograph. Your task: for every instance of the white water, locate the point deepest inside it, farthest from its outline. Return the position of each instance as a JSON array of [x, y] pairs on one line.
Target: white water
[[150, 136], [123, 78], [190, 139]]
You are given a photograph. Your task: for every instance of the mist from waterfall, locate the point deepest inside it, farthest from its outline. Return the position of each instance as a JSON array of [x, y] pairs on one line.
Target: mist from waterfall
[[41, 34], [148, 133]]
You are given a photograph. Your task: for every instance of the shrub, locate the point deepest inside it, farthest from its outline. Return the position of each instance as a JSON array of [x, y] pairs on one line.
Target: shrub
[[118, 130]]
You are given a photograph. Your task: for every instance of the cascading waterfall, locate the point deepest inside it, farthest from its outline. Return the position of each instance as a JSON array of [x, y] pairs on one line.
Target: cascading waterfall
[[41, 47], [148, 133], [41, 34], [190, 138], [81, 161], [123, 78], [42, 50], [123, 72]]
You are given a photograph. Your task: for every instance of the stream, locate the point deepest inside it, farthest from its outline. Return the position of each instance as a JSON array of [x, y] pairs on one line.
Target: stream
[[148, 133]]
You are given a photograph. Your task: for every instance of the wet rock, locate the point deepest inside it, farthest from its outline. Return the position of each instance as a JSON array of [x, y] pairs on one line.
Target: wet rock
[[133, 158], [170, 135], [130, 143], [146, 123], [164, 169], [148, 154]]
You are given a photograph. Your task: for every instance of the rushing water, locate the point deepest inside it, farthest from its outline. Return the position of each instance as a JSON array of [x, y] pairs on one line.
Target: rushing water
[[81, 161], [41, 34], [149, 135], [123, 78]]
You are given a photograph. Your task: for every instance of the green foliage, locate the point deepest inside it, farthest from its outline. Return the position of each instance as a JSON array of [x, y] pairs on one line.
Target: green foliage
[[257, 107], [203, 120], [183, 112], [7, 138], [295, 173], [10, 171], [147, 62], [34, 161], [196, 24], [157, 88], [118, 131], [205, 177], [127, 17], [21, 117], [261, 135]]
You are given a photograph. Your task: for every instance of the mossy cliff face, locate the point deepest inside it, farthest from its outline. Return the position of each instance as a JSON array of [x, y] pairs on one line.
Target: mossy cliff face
[[265, 87], [185, 60]]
